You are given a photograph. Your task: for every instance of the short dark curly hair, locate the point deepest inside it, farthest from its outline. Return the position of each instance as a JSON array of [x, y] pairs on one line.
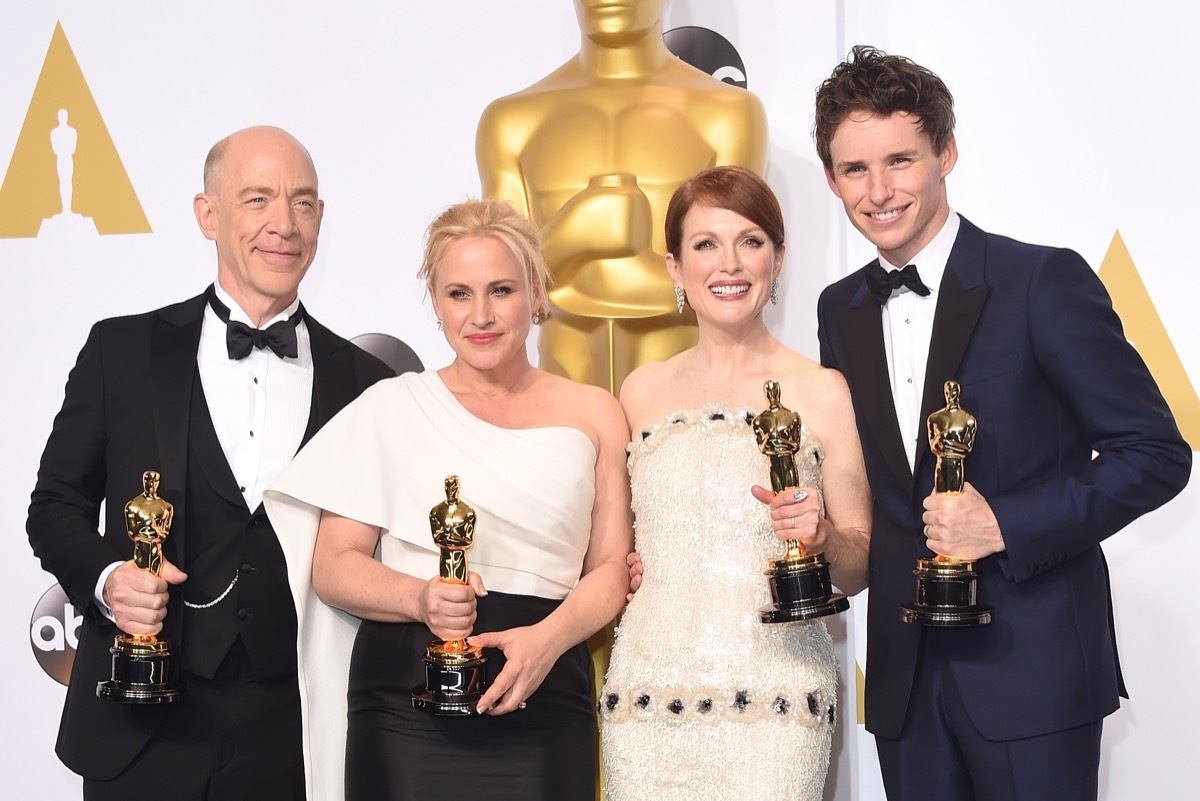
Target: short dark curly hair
[[873, 81]]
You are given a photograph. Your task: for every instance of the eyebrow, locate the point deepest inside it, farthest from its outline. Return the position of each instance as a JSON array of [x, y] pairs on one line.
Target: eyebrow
[[910, 153], [266, 190]]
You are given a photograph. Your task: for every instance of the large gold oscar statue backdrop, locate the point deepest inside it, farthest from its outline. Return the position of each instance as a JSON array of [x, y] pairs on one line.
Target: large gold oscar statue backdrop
[[592, 153]]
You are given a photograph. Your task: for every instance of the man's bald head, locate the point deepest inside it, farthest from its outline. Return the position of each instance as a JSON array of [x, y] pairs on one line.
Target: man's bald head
[[216, 154]]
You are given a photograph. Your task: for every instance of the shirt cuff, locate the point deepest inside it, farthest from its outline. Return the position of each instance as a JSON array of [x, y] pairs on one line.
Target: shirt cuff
[[99, 594]]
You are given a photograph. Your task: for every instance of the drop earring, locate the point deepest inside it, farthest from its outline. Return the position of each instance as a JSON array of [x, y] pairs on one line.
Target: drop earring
[[680, 298], [775, 292], [439, 324]]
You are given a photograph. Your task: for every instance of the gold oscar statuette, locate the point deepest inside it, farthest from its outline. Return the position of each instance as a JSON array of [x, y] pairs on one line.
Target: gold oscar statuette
[[141, 663], [454, 669], [947, 588], [800, 585], [592, 153]]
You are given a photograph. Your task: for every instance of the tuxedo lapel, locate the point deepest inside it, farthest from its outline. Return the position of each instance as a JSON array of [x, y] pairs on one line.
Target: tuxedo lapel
[[960, 302], [334, 383], [174, 342], [867, 372]]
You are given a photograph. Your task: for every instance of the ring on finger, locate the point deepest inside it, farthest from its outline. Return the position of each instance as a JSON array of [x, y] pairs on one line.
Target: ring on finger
[[793, 521], [799, 495]]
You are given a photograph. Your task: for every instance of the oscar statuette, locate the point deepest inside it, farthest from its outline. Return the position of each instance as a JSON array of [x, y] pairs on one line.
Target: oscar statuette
[[141, 663], [800, 585], [454, 674], [947, 591]]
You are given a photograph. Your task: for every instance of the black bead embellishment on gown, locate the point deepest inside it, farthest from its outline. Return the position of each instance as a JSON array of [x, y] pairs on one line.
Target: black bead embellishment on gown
[[781, 705], [611, 700], [642, 701], [675, 706], [812, 705], [704, 706], [741, 700]]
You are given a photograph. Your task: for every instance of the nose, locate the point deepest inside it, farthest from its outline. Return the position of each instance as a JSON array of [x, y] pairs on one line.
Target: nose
[[880, 188], [481, 310], [283, 219]]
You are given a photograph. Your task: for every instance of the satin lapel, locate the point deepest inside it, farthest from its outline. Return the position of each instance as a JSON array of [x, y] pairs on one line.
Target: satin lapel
[[174, 341], [333, 378], [867, 374], [960, 302]]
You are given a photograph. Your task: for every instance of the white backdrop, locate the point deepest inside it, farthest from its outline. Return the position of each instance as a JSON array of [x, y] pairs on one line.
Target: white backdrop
[[1071, 127]]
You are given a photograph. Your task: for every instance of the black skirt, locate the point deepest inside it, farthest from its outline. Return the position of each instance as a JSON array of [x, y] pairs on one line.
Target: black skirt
[[395, 752]]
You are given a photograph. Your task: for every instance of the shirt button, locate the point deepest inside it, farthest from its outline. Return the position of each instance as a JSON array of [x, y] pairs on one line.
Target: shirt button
[[243, 614], [252, 433], [910, 380], [247, 568]]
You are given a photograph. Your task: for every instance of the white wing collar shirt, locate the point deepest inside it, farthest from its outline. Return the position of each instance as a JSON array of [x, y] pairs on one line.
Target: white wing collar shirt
[[260, 404], [908, 329]]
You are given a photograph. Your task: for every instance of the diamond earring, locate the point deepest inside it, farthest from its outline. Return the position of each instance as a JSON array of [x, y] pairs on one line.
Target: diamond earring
[[775, 292], [680, 298]]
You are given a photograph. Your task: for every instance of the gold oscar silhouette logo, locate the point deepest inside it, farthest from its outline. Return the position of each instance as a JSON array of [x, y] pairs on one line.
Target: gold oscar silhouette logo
[[65, 174], [1145, 329]]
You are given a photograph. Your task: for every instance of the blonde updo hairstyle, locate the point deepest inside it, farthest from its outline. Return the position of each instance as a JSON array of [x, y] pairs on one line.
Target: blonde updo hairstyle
[[496, 218]]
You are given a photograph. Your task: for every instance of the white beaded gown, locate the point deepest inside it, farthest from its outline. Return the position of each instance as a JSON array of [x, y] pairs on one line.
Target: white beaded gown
[[702, 700]]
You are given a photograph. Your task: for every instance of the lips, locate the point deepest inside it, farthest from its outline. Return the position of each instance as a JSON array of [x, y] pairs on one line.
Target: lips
[[482, 339], [734, 290], [278, 255], [886, 216]]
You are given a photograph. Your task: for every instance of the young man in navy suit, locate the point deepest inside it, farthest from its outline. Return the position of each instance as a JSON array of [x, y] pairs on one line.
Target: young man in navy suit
[[216, 394], [1014, 709]]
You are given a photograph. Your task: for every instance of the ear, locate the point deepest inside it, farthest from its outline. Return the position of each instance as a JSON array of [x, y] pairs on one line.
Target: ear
[[205, 208], [674, 270], [832, 183], [779, 251], [948, 156]]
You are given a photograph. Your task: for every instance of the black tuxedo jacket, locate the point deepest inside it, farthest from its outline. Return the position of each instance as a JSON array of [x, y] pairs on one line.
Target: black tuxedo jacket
[[1031, 335], [127, 410]]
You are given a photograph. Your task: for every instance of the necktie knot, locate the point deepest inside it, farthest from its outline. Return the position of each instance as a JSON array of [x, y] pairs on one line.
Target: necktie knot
[[241, 339], [883, 282]]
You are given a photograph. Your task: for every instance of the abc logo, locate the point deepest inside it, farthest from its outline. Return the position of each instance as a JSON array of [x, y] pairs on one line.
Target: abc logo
[[54, 634]]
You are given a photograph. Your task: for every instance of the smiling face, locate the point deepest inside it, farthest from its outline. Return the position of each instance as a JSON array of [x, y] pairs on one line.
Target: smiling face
[[262, 210], [891, 182], [480, 292], [726, 265]]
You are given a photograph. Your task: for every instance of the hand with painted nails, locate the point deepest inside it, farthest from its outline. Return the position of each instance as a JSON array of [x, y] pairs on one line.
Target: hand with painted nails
[[528, 654], [796, 515]]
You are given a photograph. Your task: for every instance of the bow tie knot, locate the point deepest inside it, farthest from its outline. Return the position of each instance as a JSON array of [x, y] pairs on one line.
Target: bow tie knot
[[241, 339], [883, 282]]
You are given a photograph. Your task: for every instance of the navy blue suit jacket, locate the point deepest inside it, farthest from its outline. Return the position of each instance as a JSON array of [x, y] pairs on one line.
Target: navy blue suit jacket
[[1031, 335]]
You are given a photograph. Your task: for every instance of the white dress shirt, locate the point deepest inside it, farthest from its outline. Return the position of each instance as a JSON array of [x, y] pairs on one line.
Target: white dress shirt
[[908, 329], [259, 405]]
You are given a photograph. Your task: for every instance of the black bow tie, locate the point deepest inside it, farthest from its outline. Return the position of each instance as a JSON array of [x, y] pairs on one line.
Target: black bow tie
[[883, 282], [240, 338]]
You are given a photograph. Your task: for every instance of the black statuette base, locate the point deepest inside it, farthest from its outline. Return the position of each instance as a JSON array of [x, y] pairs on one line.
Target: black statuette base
[[451, 690], [801, 590], [139, 678], [947, 596]]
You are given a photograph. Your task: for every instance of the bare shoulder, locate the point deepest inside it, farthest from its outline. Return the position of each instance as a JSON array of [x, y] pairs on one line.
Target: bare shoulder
[[586, 407], [823, 390], [645, 389]]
